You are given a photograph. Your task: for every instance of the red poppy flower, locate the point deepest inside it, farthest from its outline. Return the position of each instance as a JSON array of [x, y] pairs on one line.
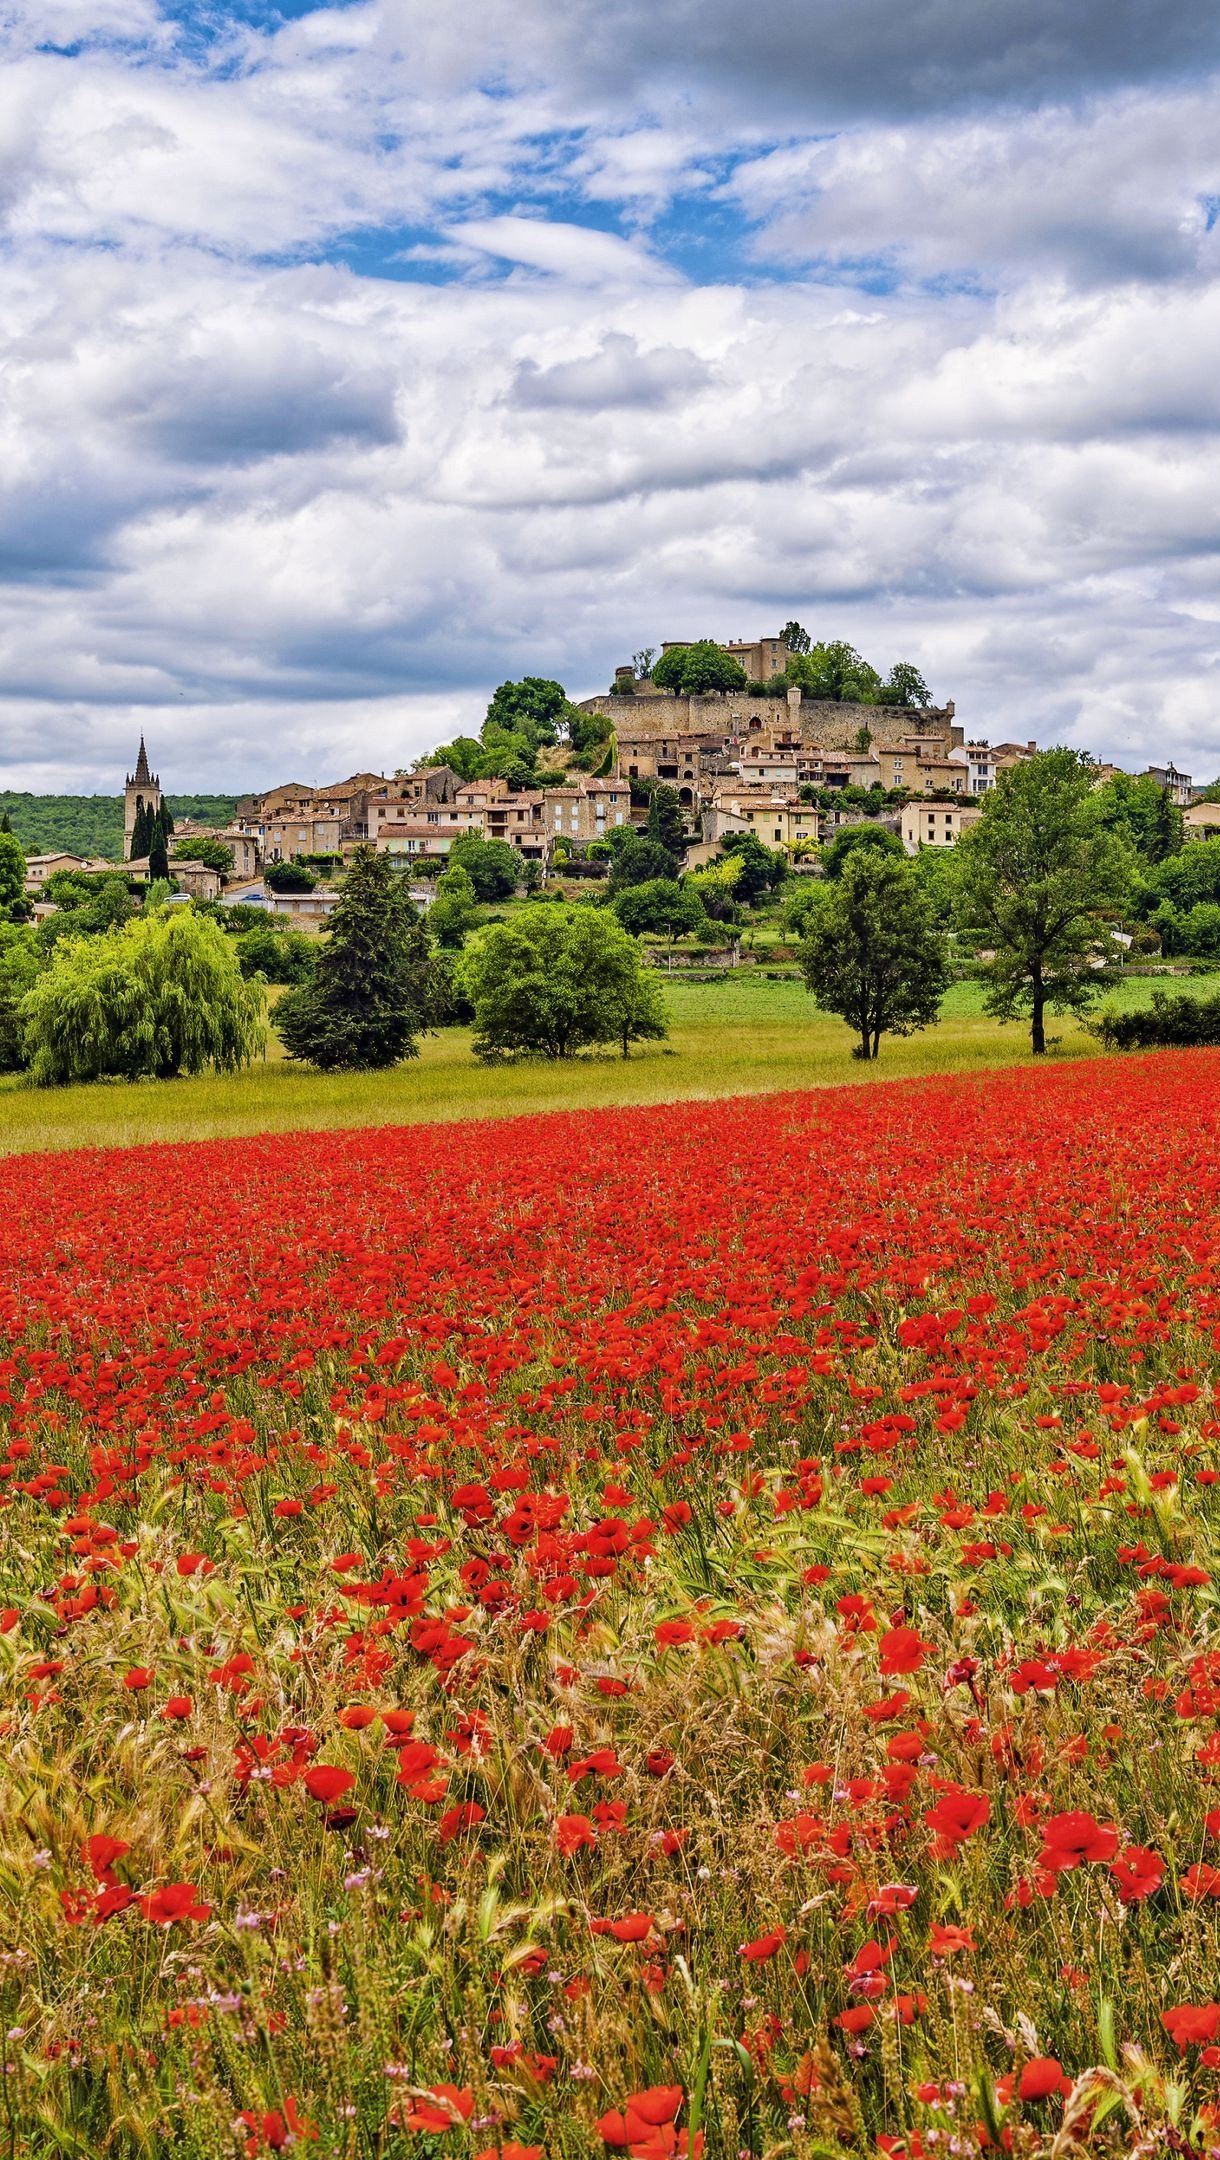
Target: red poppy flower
[[1041, 2077], [945, 1941], [173, 1902], [1071, 1839], [100, 1853], [902, 1650], [328, 1781], [764, 1946], [439, 2108], [1138, 1872], [1192, 2024], [956, 1817]]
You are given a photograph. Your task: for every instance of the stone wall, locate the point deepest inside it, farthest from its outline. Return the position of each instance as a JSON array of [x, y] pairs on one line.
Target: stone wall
[[725, 714]]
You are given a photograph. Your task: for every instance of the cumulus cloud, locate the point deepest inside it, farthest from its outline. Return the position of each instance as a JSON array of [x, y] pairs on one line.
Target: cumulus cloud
[[1123, 190], [619, 373], [830, 62], [659, 320]]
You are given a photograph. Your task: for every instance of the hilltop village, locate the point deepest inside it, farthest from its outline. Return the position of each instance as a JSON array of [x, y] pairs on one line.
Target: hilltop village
[[762, 754]]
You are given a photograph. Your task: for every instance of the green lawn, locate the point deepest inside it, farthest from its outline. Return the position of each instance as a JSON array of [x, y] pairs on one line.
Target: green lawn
[[738, 1036]]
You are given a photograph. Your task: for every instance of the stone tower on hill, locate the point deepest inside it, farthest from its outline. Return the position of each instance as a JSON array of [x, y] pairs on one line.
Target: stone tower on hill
[[143, 792]]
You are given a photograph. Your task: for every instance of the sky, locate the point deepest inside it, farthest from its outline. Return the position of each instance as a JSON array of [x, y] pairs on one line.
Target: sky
[[354, 359]]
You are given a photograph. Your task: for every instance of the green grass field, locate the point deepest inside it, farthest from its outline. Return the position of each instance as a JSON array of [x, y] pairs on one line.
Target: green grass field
[[743, 1035]]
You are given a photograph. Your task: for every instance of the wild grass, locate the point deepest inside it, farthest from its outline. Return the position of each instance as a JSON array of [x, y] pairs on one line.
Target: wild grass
[[742, 1035]]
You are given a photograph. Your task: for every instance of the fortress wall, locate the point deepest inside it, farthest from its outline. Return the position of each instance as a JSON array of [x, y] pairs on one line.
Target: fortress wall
[[650, 719]]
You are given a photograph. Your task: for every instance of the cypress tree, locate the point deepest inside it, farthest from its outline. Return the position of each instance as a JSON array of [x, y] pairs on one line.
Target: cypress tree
[[158, 851], [5, 825], [370, 993], [139, 833]]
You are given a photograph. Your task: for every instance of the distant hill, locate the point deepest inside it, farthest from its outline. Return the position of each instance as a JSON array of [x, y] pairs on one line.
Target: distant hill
[[93, 824]]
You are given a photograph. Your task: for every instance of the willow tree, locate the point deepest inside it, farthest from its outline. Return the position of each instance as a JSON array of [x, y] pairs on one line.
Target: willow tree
[[157, 997]]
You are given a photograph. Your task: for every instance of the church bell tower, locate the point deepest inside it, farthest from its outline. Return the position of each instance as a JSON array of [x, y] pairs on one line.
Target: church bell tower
[[143, 792]]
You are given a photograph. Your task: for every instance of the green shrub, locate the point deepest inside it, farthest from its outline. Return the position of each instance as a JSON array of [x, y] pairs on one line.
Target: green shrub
[[1172, 1021]]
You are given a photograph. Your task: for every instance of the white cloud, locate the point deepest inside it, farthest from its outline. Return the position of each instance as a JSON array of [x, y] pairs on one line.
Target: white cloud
[[577, 252], [1118, 190], [299, 517]]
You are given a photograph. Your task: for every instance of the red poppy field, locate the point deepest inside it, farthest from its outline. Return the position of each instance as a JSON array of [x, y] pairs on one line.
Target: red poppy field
[[666, 1631]]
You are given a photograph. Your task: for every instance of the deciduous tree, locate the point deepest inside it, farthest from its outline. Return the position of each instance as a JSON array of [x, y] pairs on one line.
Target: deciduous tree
[[871, 952], [19, 964], [661, 906], [694, 669], [851, 840], [556, 980], [205, 850], [455, 908], [494, 868], [1039, 879], [158, 996]]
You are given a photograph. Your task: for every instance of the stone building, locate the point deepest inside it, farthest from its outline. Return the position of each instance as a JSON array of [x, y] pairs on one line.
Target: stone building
[[142, 792], [297, 820]]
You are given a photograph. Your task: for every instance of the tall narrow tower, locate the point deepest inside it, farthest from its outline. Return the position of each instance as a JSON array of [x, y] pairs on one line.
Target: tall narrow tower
[[143, 792]]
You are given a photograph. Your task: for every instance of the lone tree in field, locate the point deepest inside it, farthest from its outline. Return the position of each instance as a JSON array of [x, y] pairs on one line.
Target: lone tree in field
[[1036, 879], [557, 980], [369, 995], [872, 952]]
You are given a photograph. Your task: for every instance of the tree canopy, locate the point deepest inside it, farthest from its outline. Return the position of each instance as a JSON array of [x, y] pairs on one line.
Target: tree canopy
[[836, 671], [369, 995], [87, 904], [637, 858], [156, 997], [1135, 807], [207, 850], [494, 868], [872, 952], [1036, 880], [12, 879], [19, 964], [290, 877], [523, 718], [455, 908], [555, 980], [762, 868], [851, 839], [697, 668], [661, 906], [277, 954]]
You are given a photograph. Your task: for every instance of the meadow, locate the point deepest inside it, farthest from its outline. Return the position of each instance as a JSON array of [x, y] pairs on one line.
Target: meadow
[[745, 1034], [676, 1633]]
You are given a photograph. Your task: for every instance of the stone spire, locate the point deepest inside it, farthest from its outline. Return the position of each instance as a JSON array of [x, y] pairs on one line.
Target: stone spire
[[143, 792]]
